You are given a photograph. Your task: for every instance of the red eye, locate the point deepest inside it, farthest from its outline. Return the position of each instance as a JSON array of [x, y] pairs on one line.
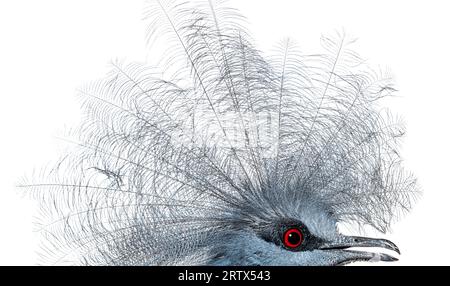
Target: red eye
[[292, 238]]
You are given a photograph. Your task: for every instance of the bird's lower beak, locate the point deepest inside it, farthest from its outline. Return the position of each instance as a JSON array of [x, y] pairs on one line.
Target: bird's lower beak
[[344, 242]]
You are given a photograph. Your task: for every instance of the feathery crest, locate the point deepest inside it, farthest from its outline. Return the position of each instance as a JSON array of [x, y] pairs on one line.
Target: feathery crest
[[160, 163]]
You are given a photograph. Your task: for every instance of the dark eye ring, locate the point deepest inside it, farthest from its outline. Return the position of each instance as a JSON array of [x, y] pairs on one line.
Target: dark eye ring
[[292, 238]]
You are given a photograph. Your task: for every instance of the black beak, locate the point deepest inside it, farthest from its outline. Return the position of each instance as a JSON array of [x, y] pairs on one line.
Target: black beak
[[345, 242]]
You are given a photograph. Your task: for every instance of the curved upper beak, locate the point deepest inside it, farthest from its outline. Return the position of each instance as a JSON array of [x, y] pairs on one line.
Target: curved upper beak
[[345, 242]]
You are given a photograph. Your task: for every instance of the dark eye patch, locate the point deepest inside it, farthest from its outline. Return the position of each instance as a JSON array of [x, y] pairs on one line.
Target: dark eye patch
[[291, 235]]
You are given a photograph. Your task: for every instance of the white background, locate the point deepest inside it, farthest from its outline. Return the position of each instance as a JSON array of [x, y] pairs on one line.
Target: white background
[[50, 48]]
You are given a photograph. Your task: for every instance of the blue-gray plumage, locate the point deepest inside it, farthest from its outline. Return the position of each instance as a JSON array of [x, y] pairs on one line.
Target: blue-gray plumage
[[229, 157]]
